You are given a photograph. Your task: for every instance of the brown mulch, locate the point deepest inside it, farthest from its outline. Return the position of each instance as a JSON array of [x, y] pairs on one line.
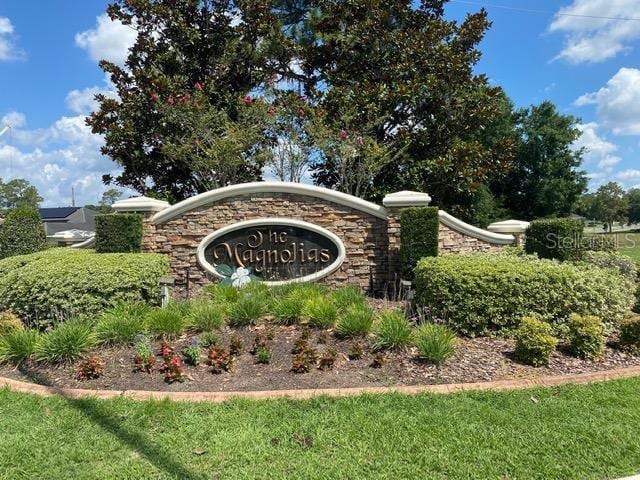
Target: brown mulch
[[475, 360]]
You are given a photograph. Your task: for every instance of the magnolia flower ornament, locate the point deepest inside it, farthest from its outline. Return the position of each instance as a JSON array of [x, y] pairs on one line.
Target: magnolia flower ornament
[[240, 277]]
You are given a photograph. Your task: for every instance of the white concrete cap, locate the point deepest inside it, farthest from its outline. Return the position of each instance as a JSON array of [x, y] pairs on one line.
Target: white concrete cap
[[140, 204], [509, 226], [406, 198]]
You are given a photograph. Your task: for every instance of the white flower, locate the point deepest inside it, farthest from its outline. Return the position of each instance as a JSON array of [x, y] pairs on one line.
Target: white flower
[[240, 277]]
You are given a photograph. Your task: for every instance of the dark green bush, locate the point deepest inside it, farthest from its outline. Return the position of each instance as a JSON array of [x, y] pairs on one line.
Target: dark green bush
[[479, 293], [559, 238], [118, 233], [419, 228], [534, 342], [64, 282], [586, 336], [22, 233], [630, 333]]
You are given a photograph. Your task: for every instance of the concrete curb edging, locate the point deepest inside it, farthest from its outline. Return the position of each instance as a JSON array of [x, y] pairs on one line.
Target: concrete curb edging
[[218, 397]]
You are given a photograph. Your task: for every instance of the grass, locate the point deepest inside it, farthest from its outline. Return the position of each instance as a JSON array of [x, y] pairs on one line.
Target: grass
[[392, 330], [356, 321], [121, 324], [631, 252], [66, 342], [168, 323], [574, 432]]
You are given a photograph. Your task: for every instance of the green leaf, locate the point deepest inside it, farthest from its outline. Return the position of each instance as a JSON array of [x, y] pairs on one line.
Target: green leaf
[[224, 269]]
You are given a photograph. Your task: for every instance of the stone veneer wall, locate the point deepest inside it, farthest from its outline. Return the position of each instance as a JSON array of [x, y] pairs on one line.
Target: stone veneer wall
[[450, 241], [371, 243], [365, 237]]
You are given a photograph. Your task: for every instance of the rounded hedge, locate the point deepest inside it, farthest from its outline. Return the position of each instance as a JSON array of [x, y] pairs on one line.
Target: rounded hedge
[[479, 293], [560, 238], [118, 233], [62, 282], [22, 232]]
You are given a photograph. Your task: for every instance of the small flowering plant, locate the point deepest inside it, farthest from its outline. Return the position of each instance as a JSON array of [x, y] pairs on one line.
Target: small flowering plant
[[220, 359], [90, 368], [144, 360], [191, 352], [172, 369]]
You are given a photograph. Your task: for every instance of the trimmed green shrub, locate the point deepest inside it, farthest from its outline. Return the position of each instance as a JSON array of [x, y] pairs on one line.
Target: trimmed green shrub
[[435, 342], [65, 282], [344, 297], [18, 345], [356, 321], [419, 227], [66, 342], [586, 337], [534, 342], [121, 324], [247, 310], [392, 330], [9, 323], [622, 264], [321, 312], [22, 233], [169, 322], [559, 238], [118, 233], [599, 243], [485, 292], [630, 333], [205, 316]]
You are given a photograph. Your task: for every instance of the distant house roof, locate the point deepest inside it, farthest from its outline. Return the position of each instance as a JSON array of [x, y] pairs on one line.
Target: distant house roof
[[57, 212]]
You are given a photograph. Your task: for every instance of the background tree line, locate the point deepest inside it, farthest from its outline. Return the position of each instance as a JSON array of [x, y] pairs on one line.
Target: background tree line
[[611, 204], [365, 97]]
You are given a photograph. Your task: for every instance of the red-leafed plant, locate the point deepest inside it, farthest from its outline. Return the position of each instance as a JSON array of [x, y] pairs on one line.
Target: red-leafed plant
[[220, 359], [90, 368]]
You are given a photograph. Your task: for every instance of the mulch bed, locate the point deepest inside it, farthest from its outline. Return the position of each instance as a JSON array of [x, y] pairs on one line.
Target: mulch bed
[[475, 360]]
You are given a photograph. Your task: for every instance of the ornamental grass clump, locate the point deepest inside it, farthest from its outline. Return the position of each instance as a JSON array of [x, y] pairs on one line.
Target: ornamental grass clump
[[121, 324], [435, 342], [534, 342], [226, 294], [288, 310], [586, 337], [248, 310], [345, 297], [66, 342], [630, 333], [208, 338], [392, 331], [355, 321], [320, 312], [18, 345], [167, 323], [205, 316]]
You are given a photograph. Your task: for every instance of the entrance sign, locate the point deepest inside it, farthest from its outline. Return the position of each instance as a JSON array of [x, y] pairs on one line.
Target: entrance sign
[[275, 250]]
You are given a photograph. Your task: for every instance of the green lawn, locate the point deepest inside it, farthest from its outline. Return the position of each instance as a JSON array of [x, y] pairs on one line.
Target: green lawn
[[574, 432], [631, 252]]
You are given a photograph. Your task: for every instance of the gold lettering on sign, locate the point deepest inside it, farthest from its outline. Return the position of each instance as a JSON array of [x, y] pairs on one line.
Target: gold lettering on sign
[[267, 250]]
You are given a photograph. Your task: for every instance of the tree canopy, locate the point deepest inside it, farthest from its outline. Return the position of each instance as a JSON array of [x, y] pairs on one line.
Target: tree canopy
[[18, 192]]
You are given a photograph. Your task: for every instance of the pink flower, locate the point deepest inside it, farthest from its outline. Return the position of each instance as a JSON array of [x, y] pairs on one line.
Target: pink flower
[[344, 134], [197, 141], [247, 99], [198, 86], [155, 96], [170, 100], [359, 141], [271, 112], [303, 98], [300, 112], [185, 98]]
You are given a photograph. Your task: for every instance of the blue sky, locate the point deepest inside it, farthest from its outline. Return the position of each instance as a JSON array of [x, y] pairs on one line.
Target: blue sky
[[589, 67]]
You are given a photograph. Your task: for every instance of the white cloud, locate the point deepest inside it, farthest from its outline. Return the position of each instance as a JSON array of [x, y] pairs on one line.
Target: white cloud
[[618, 102], [55, 158], [14, 120], [83, 101], [109, 40], [591, 40], [630, 174], [8, 49], [597, 150]]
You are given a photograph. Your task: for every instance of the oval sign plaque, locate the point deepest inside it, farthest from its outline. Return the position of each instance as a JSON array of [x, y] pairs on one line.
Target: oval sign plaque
[[275, 250]]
